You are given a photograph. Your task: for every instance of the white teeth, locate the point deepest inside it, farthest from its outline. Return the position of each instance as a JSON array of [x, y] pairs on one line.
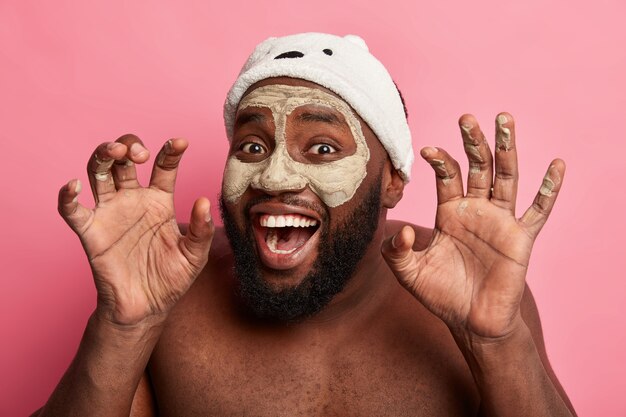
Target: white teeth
[[287, 220]]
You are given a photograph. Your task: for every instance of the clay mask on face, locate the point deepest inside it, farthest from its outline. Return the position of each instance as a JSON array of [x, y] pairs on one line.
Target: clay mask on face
[[334, 182]]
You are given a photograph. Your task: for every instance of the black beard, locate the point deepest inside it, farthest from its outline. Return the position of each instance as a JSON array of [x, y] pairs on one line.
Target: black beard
[[339, 253]]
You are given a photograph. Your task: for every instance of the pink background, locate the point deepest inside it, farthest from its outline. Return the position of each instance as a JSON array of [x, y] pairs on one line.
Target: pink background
[[74, 75]]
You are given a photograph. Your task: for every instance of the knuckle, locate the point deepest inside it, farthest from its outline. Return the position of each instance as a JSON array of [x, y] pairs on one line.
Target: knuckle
[[542, 206], [506, 175], [167, 163]]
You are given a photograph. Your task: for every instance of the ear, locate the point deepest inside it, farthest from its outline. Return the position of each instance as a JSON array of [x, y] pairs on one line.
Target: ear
[[392, 186]]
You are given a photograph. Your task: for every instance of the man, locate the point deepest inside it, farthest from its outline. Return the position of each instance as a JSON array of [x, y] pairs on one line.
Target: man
[[310, 302]]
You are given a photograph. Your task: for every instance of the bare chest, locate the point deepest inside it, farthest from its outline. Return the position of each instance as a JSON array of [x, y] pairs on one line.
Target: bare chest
[[260, 376]]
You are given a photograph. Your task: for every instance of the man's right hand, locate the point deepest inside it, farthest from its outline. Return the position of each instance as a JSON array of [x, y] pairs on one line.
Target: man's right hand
[[141, 262]]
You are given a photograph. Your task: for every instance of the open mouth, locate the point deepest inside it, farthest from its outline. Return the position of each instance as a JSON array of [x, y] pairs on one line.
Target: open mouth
[[286, 233], [284, 239]]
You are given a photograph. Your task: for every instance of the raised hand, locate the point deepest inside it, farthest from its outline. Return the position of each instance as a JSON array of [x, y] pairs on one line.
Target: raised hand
[[472, 274], [141, 262]]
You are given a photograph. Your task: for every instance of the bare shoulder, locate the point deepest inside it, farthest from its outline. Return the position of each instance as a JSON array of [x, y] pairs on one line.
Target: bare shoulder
[[220, 247], [422, 234]]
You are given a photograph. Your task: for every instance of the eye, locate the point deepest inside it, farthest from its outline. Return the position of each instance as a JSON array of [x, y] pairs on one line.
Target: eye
[[252, 147], [322, 148]]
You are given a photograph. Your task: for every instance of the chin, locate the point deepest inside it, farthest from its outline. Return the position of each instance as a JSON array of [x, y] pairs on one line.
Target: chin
[[288, 262]]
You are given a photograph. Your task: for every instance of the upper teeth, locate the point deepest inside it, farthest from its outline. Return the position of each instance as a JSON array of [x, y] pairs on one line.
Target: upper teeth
[[291, 220]]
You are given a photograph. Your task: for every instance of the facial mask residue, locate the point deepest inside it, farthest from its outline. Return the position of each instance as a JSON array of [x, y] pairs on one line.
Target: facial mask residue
[[334, 182]]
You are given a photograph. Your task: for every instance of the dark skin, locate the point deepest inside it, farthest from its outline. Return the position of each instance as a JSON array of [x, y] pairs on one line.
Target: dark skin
[[395, 341]]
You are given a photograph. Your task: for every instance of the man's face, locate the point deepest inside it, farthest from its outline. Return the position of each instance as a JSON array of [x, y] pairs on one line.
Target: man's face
[[298, 204]]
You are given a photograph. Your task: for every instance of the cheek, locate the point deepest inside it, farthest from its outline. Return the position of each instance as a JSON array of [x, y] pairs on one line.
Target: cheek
[[336, 182], [237, 177]]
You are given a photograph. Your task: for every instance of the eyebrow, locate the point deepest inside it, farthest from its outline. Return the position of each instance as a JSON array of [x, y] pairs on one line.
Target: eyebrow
[[319, 116], [250, 117]]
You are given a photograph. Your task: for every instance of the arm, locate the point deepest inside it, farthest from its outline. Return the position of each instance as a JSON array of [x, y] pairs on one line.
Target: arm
[[534, 371], [530, 315], [144, 403], [141, 266], [472, 274]]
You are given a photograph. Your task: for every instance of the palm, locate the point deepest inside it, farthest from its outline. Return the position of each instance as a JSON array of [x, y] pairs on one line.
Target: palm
[[462, 266], [141, 262], [472, 275], [133, 246]]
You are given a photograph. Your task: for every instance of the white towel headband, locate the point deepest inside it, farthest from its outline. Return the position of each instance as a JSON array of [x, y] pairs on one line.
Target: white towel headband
[[344, 66]]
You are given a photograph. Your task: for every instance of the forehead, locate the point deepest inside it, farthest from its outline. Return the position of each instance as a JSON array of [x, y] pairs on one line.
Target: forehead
[[294, 82], [370, 137], [283, 99]]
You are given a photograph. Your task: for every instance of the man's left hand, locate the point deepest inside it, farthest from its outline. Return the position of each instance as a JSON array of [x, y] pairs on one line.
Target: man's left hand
[[472, 274]]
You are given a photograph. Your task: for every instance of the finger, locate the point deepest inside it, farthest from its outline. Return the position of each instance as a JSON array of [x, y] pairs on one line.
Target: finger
[[166, 165], [99, 170], [398, 253], [505, 182], [124, 172], [74, 214], [480, 175], [537, 214], [197, 241], [449, 182]]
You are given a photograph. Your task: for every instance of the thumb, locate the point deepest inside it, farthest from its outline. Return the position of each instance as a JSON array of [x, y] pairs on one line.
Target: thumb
[[197, 242], [74, 213], [397, 251]]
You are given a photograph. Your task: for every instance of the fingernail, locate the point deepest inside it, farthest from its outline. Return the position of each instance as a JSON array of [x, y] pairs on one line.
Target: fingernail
[[168, 147], [393, 241], [207, 216], [137, 150], [78, 187], [502, 119]]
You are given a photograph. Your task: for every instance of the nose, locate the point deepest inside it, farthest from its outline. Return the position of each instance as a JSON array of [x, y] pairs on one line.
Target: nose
[[280, 175]]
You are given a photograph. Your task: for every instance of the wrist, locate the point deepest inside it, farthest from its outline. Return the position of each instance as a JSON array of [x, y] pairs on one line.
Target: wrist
[[130, 318], [510, 348], [500, 358], [145, 331], [509, 373], [503, 339]]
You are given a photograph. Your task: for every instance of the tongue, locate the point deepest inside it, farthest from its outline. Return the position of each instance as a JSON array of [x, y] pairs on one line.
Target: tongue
[[290, 237]]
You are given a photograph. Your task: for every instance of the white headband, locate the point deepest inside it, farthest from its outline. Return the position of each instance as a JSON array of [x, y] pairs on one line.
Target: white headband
[[344, 66]]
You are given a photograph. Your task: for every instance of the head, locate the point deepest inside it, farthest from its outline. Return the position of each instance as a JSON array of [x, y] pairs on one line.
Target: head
[[306, 188]]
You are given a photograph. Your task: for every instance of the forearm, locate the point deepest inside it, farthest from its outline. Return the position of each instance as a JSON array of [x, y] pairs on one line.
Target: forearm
[[103, 377], [510, 376]]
